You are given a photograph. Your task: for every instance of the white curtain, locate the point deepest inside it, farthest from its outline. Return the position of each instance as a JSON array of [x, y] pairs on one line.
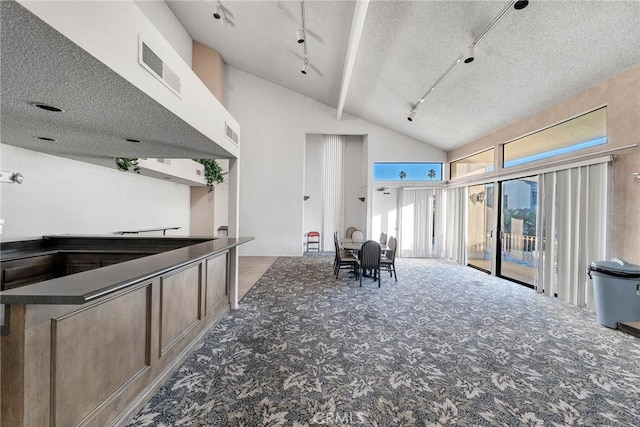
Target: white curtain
[[416, 223], [574, 211], [455, 224], [332, 198], [439, 223]]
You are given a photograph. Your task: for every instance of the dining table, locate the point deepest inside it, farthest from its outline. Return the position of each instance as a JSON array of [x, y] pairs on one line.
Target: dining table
[[350, 245]]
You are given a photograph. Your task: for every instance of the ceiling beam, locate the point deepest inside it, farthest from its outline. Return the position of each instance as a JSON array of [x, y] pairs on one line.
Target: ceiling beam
[[357, 25]]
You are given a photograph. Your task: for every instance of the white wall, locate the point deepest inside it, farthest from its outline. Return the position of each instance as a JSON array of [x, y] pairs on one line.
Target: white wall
[[271, 163], [313, 184], [384, 213], [60, 196], [274, 123], [355, 212], [166, 22]]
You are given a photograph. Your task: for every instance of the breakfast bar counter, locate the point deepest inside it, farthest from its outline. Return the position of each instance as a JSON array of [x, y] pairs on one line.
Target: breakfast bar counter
[[94, 325]]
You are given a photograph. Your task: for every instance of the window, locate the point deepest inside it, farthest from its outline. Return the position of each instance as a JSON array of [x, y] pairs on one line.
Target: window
[[588, 130], [407, 171], [473, 165]]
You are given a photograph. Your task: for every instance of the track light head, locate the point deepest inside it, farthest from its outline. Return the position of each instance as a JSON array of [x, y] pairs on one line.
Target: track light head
[[521, 4], [305, 68], [411, 115], [468, 55], [300, 35], [217, 13]]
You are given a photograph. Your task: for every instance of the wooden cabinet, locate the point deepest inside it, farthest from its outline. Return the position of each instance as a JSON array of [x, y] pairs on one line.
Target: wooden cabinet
[[25, 271], [79, 262]]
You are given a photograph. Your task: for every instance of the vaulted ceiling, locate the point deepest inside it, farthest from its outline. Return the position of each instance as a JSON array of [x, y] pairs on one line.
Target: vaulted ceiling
[[530, 58]]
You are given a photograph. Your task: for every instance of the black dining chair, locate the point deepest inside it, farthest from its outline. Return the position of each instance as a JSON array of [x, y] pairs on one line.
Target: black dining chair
[[344, 260], [388, 261], [370, 259]]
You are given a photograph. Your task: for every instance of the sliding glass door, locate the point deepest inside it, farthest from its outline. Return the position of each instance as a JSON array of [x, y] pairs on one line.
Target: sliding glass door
[[519, 217], [480, 214]]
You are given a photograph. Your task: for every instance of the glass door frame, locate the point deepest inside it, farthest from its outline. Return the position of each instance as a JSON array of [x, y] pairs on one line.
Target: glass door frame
[[500, 233]]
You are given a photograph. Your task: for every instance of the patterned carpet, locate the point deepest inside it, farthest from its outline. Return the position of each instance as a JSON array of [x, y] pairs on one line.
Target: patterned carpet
[[445, 345]]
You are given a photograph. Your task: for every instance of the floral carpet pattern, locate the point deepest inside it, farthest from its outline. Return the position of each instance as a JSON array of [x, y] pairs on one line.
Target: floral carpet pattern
[[444, 345]]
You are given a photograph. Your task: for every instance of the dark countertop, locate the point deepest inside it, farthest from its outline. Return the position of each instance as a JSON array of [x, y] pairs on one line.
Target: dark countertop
[[86, 286]]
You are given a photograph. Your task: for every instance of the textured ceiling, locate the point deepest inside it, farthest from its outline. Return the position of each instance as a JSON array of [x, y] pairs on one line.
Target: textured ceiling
[[531, 58], [38, 64], [261, 40]]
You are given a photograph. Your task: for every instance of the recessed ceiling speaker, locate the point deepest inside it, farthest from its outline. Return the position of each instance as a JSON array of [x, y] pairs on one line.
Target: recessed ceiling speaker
[[305, 68], [300, 35], [521, 4], [468, 55]]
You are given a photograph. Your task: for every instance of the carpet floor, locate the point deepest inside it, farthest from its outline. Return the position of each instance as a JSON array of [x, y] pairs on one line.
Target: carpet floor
[[444, 345]]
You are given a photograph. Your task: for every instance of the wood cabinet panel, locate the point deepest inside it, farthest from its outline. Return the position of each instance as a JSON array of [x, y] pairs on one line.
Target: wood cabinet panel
[[28, 270], [95, 352], [217, 284], [179, 305]]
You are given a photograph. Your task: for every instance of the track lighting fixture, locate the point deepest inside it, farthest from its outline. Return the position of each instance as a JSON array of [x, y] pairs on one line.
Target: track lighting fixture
[[521, 4], [468, 55], [301, 35], [219, 14]]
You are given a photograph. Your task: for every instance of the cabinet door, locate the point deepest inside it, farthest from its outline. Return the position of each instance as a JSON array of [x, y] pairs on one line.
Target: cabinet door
[[28, 270], [217, 284]]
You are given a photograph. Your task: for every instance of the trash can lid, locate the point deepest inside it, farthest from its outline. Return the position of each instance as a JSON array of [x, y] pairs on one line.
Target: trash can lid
[[616, 267]]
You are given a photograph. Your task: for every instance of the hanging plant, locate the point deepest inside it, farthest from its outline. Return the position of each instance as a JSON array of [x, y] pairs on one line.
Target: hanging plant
[[213, 173], [126, 164]]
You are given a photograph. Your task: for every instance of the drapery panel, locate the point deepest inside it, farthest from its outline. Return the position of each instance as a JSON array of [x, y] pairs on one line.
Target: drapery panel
[[333, 195]]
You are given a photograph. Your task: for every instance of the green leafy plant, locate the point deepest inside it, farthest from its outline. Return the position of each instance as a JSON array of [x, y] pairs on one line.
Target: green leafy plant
[[126, 164], [213, 173]]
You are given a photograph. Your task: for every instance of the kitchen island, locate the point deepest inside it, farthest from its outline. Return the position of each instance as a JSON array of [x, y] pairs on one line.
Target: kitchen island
[[90, 347]]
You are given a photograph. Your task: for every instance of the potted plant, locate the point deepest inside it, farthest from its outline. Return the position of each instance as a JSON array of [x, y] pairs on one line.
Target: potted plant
[[213, 173]]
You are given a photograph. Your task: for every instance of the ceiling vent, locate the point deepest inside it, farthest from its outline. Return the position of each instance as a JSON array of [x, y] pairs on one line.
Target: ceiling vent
[[231, 134], [164, 161], [158, 68]]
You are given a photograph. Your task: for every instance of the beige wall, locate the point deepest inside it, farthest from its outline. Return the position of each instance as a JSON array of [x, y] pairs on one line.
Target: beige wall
[[621, 95], [209, 209], [209, 66]]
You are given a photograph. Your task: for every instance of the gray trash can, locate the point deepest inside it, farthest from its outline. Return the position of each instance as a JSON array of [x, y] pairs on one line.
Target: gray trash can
[[616, 286]]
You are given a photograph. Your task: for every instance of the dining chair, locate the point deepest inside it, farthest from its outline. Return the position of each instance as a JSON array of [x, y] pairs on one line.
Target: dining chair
[[383, 238], [370, 260], [313, 239], [388, 261], [344, 260], [357, 236], [350, 231]]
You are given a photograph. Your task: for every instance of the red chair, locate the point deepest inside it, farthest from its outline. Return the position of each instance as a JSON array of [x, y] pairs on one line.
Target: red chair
[[313, 241]]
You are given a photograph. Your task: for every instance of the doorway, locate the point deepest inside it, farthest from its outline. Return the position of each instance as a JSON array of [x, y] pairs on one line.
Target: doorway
[[518, 230], [480, 217]]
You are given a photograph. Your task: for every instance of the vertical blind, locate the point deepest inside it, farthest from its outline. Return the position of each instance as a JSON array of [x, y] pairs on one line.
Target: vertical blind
[[332, 198], [416, 210], [574, 227], [455, 224]]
